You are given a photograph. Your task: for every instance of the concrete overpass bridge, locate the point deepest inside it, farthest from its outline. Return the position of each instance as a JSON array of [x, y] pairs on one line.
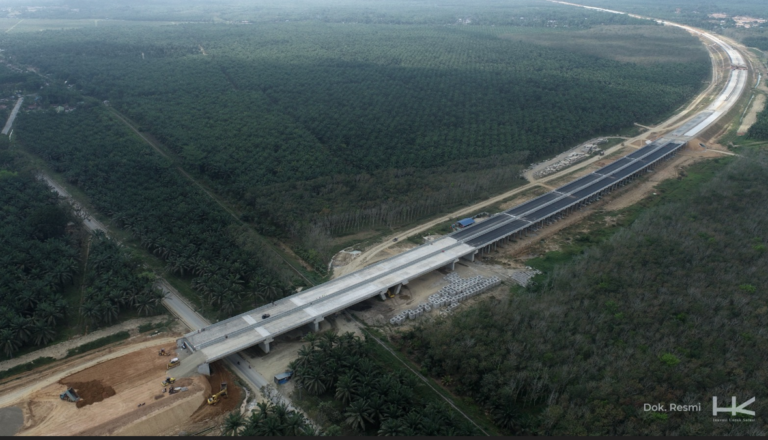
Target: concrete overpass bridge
[[311, 306]]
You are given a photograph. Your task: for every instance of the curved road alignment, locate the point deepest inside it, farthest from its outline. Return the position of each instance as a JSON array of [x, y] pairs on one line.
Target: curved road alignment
[[312, 305]]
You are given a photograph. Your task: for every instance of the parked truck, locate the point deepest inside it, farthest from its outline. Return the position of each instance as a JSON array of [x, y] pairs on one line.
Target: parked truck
[[69, 395]]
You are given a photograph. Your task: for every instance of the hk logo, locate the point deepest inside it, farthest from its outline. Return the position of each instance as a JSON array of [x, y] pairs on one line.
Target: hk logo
[[733, 409]]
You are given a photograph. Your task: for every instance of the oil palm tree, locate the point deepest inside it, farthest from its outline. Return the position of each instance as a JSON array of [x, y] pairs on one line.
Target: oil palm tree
[[390, 428], [270, 427], [9, 342], [357, 414], [345, 389], [42, 332], [233, 423]]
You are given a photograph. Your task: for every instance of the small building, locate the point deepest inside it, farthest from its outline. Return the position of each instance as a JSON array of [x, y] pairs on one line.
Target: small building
[[466, 222], [283, 377]]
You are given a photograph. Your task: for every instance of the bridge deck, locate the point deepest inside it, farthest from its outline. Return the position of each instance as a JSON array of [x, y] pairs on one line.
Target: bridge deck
[[248, 329]]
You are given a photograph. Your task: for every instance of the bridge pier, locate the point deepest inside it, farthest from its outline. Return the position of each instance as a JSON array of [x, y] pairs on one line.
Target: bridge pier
[[204, 369], [383, 295], [316, 324], [264, 346]]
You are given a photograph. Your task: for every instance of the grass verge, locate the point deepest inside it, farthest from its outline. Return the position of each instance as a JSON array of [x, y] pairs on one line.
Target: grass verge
[[29, 366], [98, 343]]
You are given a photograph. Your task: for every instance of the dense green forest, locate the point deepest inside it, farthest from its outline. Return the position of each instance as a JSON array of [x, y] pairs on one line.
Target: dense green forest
[[499, 12], [692, 12], [318, 128], [114, 281], [670, 309], [760, 42], [41, 262], [143, 194], [759, 130], [361, 396]]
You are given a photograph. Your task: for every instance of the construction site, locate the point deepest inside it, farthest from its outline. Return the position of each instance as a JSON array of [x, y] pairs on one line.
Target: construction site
[[144, 386], [126, 389]]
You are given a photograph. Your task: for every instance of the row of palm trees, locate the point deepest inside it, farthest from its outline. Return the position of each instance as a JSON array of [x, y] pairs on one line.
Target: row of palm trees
[[35, 269], [113, 284], [268, 420], [366, 397]]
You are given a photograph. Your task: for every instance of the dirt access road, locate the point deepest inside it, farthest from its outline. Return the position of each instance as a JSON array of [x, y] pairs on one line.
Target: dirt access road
[[59, 351], [15, 391], [719, 77], [177, 305]]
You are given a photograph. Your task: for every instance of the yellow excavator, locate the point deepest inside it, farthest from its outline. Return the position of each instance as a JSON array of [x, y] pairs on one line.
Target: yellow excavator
[[175, 362], [214, 399], [169, 381], [162, 352]]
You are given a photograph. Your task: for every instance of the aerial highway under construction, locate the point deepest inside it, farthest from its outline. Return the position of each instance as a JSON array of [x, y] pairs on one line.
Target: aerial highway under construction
[[309, 307]]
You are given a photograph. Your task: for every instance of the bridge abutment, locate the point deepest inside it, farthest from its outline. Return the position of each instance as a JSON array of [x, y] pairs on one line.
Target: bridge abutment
[[204, 369]]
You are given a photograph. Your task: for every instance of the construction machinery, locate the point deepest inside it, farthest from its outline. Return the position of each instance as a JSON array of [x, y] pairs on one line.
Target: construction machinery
[[175, 362], [169, 381], [162, 352], [214, 399], [69, 395]]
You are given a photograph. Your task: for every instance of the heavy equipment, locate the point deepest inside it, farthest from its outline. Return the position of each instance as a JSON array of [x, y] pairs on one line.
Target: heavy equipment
[[162, 352], [69, 395], [175, 362], [214, 399], [169, 381]]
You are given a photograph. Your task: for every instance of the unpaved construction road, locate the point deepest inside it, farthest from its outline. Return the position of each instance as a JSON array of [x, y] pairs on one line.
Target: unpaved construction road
[[17, 390], [60, 350], [90, 223]]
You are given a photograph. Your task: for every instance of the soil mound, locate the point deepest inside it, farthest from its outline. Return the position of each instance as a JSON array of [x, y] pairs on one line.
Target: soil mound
[[91, 392]]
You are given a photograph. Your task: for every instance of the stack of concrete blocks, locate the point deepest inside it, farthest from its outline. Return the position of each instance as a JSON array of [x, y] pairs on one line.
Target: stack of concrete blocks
[[450, 296]]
